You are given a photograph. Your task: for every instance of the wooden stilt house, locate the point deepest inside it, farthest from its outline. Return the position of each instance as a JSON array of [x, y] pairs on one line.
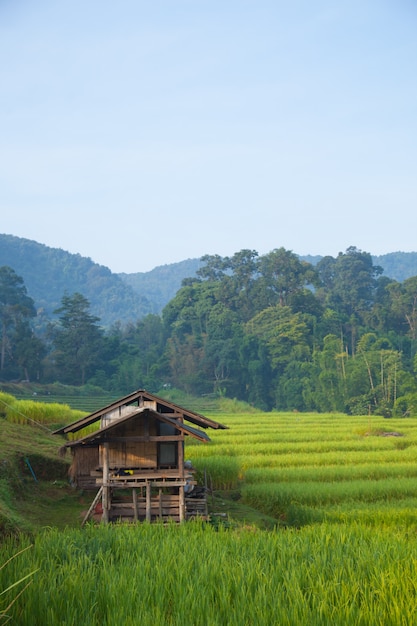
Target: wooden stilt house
[[135, 459]]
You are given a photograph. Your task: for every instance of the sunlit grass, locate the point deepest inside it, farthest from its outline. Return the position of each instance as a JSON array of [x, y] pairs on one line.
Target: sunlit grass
[[172, 575], [32, 412]]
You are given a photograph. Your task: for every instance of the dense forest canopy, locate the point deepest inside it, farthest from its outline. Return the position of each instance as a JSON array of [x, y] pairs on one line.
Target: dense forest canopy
[[274, 330]]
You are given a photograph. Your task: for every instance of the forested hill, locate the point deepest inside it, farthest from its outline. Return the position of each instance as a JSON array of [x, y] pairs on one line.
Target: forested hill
[[162, 283], [50, 273], [398, 265]]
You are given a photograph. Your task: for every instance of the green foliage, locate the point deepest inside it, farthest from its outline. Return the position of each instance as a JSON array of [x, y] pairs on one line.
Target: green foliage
[[249, 328], [275, 331], [77, 339], [406, 406], [15, 588], [17, 346]]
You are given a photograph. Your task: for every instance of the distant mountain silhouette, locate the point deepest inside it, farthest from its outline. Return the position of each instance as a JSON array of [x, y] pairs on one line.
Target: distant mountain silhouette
[[162, 283], [49, 273]]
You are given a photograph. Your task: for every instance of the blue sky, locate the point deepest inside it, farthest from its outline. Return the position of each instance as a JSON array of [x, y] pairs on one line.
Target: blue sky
[[141, 133]]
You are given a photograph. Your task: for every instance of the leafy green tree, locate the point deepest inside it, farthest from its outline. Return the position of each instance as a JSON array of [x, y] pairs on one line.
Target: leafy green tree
[[348, 286], [282, 275], [187, 313], [185, 356], [238, 289], [327, 391], [404, 303], [214, 267], [283, 332], [349, 281], [275, 332], [256, 373], [136, 355], [16, 309], [30, 351], [221, 351], [78, 340]]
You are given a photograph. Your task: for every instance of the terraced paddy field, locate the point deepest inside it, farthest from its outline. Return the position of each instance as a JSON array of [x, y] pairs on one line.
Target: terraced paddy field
[[340, 497], [304, 468]]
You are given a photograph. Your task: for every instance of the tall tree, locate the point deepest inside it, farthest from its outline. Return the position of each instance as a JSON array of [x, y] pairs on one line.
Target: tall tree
[[16, 309], [135, 356], [349, 281], [349, 284], [77, 339], [283, 275]]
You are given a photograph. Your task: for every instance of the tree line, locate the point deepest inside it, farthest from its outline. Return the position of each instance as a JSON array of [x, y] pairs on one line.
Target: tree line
[[272, 330]]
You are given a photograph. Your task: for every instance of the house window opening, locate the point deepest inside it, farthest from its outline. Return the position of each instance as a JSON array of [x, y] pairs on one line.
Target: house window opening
[[168, 455]]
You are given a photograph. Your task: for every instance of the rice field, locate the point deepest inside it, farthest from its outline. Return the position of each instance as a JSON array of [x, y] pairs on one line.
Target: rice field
[[343, 491], [157, 575], [324, 466]]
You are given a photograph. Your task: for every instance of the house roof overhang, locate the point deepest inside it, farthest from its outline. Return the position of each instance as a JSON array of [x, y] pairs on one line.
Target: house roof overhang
[[141, 396]]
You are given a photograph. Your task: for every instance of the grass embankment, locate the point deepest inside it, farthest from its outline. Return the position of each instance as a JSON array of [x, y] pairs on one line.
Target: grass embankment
[[34, 488]]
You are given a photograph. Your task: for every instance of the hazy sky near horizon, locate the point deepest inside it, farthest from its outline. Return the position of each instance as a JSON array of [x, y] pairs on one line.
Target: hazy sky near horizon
[[140, 133]]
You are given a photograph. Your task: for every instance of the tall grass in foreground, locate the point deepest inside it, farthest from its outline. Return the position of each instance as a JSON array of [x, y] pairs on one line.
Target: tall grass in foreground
[[156, 575]]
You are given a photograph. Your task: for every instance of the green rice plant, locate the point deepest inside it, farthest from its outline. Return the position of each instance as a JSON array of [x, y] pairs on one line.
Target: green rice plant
[[13, 588], [32, 412], [221, 473], [399, 515], [88, 430], [274, 499], [6, 400], [172, 575], [330, 458], [330, 473]]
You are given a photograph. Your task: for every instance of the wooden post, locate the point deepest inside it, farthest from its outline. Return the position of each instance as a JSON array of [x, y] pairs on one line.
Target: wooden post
[[160, 502], [148, 501], [205, 493], [135, 504], [181, 458], [181, 502], [181, 489], [106, 489], [93, 504]]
